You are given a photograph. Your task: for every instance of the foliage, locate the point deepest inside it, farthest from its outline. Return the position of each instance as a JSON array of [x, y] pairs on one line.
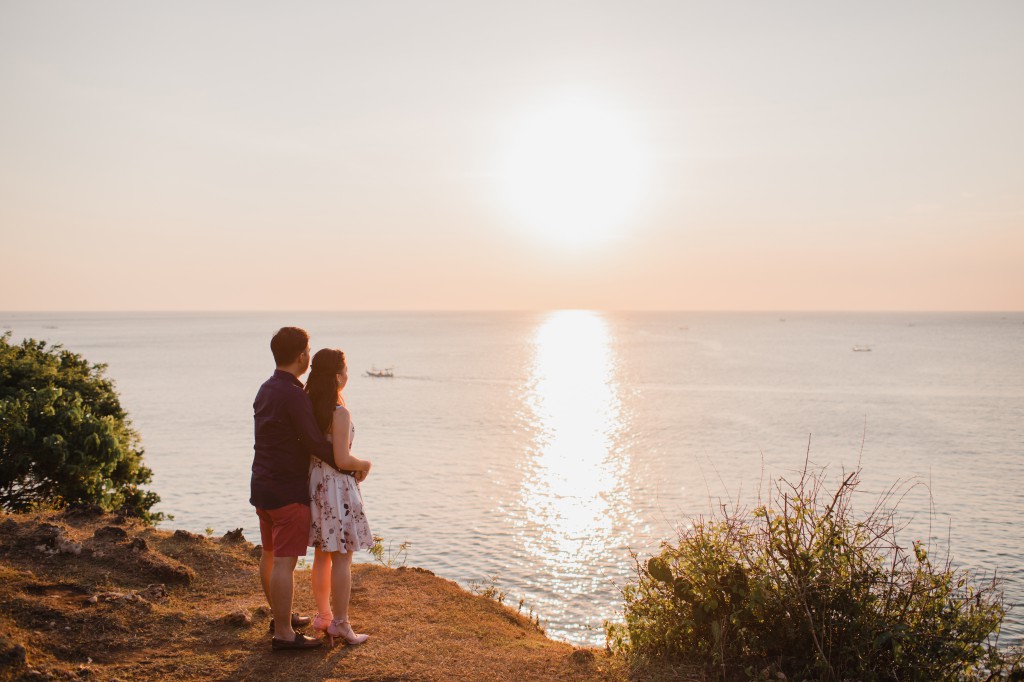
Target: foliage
[[64, 437], [488, 588], [387, 557], [801, 588]]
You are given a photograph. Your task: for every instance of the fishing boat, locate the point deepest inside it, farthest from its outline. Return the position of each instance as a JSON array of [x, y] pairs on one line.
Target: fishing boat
[[862, 349], [387, 372]]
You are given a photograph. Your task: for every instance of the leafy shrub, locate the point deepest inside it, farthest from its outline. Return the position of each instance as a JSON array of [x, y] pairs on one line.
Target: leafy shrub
[[800, 587], [64, 438]]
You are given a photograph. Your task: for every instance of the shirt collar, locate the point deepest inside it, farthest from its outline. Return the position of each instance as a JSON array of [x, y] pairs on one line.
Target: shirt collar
[[287, 376]]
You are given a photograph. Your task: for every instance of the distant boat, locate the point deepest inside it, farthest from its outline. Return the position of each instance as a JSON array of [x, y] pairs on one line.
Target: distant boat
[[862, 349], [387, 372]]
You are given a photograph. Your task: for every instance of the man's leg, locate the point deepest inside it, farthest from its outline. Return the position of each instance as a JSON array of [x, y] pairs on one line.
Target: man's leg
[[267, 558], [281, 588], [291, 534], [266, 568]]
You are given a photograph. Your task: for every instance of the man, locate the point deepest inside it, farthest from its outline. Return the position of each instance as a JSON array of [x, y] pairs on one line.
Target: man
[[286, 436]]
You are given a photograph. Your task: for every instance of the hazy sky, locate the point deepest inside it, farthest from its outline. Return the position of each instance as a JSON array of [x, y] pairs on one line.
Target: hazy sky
[[519, 155]]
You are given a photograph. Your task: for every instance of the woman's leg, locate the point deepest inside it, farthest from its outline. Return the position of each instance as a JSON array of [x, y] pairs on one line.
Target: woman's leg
[[341, 586], [321, 578], [341, 583]]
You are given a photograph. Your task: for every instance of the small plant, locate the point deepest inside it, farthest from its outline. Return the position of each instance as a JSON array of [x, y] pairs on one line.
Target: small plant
[[488, 587], [209, 531], [385, 556], [801, 588]]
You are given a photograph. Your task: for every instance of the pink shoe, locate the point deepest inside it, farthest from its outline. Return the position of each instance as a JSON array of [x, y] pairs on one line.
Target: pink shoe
[[321, 623], [342, 628]]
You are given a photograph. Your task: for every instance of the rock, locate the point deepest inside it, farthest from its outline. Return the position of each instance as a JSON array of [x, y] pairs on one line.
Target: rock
[[186, 536], [237, 619], [233, 536], [47, 534], [53, 539], [12, 654], [110, 533], [139, 545], [155, 592], [109, 596], [65, 546], [129, 597], [257, 552]]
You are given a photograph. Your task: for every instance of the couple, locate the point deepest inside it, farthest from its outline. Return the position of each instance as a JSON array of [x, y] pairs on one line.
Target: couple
[[305, 489]]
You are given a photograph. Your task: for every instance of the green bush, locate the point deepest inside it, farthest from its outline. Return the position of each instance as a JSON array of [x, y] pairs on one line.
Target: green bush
[[64, 438], [801, 588]]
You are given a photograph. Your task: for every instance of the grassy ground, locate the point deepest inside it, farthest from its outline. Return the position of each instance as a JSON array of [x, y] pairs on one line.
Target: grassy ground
[[98, 598]]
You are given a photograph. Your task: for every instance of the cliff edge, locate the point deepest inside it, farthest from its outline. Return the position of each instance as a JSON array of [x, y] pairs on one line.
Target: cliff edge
[[86, 596]]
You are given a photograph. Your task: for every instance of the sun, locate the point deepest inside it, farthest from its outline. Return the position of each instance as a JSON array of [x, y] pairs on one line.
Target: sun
[[574, 172]]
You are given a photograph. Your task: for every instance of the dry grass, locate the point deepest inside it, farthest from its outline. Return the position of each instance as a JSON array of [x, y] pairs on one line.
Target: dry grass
[[422, 627]]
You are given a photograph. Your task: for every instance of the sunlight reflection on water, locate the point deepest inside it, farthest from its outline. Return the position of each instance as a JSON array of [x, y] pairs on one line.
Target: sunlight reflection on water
[[572, 491]]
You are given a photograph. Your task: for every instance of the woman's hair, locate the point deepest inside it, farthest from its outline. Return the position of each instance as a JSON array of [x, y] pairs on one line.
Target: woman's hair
[[322, 385]]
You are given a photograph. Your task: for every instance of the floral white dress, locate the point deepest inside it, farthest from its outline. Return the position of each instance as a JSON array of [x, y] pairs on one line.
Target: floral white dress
[[336, 506]]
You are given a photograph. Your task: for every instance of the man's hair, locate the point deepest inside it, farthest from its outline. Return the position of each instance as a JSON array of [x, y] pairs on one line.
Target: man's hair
[[288, 344]]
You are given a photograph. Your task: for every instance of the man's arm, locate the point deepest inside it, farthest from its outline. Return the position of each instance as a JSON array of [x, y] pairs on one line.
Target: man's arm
[[300, 411]]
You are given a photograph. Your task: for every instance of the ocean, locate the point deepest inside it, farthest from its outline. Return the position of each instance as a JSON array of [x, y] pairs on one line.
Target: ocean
[[536, 450]]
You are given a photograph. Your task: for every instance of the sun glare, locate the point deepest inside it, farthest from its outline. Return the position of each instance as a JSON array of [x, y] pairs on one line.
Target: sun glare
[[573, 493], [574, 173]]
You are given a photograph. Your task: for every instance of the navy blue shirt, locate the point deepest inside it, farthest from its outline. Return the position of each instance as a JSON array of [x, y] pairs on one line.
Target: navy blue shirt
[[286, 436]]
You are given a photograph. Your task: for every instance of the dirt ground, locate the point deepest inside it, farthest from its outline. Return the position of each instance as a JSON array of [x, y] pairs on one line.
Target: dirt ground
[[102, 598]]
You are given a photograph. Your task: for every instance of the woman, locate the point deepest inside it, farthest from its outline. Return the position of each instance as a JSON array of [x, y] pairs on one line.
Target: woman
[[339, 526]]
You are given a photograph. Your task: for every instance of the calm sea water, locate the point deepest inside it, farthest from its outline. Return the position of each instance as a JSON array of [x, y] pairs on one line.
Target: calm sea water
[[541, 447]]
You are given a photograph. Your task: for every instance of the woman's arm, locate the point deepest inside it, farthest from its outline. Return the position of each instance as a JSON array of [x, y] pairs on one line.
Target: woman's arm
[[341, 428]]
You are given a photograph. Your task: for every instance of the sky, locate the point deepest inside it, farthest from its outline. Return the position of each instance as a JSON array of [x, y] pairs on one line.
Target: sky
[[524, 155]]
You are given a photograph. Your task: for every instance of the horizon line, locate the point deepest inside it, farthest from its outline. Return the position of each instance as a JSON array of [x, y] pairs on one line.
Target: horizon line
[[95, 311]]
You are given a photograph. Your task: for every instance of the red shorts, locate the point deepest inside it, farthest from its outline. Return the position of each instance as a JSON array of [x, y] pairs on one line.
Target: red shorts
[[285, 531]]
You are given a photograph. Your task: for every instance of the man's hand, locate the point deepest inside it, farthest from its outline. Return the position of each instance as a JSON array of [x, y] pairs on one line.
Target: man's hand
[[361, 476]]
